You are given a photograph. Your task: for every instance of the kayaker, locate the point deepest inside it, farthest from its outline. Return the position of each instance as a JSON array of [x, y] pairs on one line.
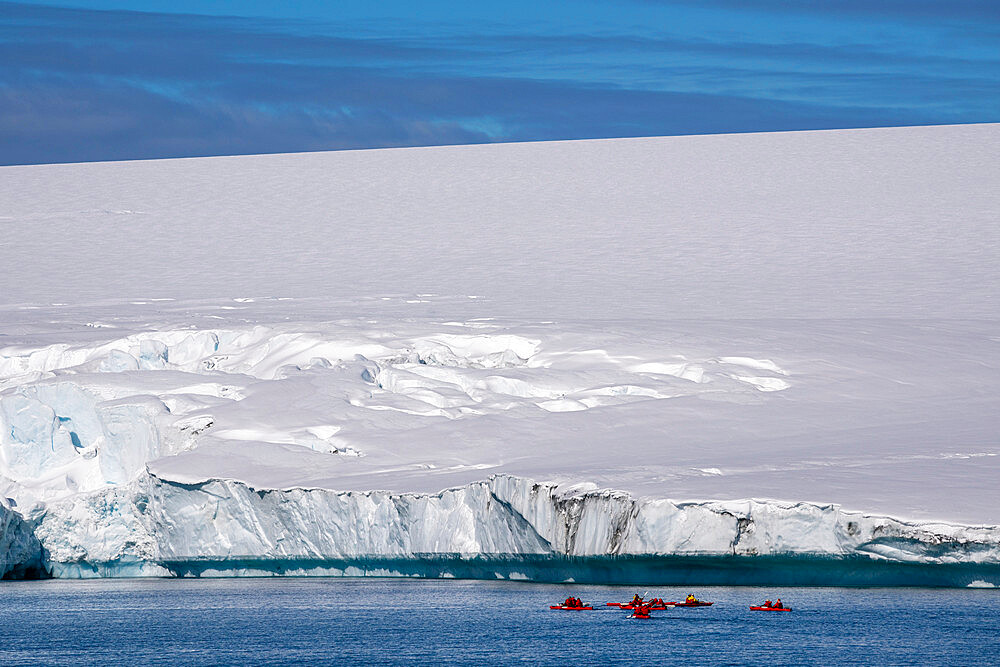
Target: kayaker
[[636, 600], [570, 602], [778, 605], [690, 599], [767, 603]]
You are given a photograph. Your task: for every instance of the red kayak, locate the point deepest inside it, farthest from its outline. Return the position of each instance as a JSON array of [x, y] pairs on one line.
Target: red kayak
[[629, 605], [690, 604], [564, 608], [771, 608], [622, 605]]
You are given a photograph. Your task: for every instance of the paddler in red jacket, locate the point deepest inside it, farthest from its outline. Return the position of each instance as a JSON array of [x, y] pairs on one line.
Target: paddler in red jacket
[[641, 610], [778, 605]]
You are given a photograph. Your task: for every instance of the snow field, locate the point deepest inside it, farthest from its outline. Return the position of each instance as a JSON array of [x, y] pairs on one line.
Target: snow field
[[896, 222]]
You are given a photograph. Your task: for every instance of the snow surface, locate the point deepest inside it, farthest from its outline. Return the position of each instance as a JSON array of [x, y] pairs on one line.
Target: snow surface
[[806, 319], [893, 222]]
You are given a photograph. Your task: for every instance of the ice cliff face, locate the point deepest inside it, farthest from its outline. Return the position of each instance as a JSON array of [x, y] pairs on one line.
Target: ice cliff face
[[156, 526], [20, 552], [589, 523]]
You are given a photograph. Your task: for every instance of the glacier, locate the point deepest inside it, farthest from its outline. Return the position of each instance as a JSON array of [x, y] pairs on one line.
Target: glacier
[[504, 527], [755, 358], [126, 462]]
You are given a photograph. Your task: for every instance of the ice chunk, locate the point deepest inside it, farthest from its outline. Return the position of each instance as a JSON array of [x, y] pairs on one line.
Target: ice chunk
[[152, 354], [33, 440], [118, 361], [763, 383], [130, 437]]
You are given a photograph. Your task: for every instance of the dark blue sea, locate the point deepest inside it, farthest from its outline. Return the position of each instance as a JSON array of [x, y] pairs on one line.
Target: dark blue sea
[[433, 622]]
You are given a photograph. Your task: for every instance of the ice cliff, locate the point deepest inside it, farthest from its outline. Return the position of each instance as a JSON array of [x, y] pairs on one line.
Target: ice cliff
[[20, 552], [505, 525]]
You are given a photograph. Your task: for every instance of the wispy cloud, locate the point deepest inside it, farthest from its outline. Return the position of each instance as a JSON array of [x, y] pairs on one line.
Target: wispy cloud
[[952, 10], [92, 85]]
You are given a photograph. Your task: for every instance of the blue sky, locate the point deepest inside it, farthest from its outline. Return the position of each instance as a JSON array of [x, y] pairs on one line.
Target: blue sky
[[108, 80]]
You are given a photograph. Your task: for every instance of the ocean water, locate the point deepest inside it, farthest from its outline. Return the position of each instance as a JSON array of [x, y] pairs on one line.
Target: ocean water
[[397, 621]]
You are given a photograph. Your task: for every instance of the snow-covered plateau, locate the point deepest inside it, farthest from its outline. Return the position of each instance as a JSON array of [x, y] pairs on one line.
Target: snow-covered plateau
[[743, 358]]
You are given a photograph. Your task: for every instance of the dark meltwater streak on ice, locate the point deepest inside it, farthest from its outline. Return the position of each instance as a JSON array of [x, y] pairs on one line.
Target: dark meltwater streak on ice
[[323, 621]]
